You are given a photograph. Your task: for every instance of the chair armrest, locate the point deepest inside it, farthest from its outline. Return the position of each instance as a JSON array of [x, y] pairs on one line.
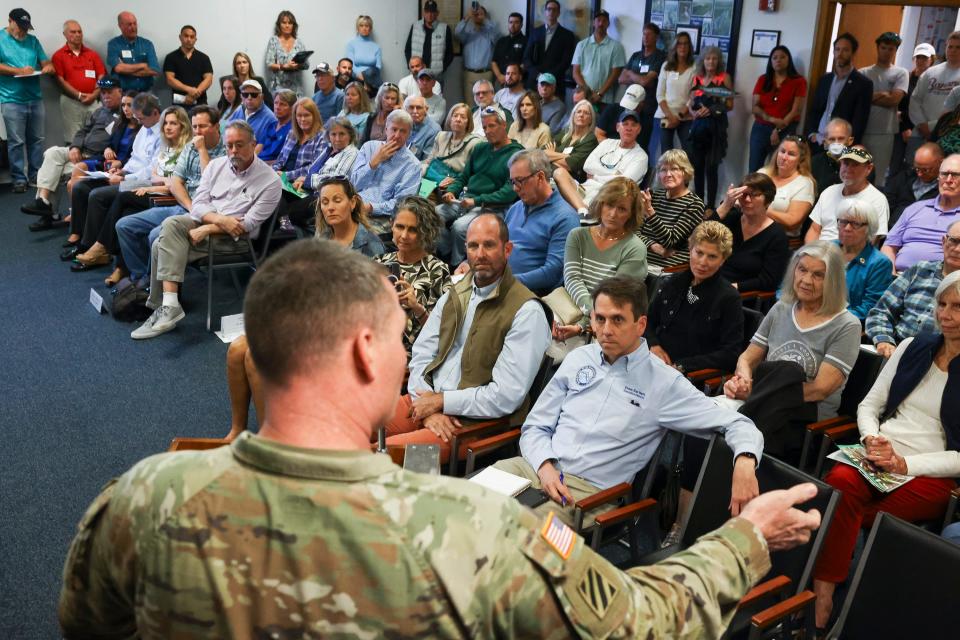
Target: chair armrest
[[196, 444], [764, 590], [822, 425], [162, 201], [492, 443], [605, 496], [678, 268], [620, 514], [835, 433], [471, 432], [701, 375], [775, 614]]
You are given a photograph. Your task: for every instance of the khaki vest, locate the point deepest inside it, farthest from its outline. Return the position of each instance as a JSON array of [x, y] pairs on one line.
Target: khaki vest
[[491, 323]]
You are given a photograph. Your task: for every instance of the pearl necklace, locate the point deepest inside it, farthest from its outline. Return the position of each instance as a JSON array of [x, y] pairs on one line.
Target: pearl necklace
[[601, 237]]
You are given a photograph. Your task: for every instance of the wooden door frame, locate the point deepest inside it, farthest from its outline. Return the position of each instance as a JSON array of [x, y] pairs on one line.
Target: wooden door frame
[[826, 14]]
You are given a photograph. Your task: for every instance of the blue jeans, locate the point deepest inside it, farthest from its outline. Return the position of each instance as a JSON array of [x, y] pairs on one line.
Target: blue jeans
[[24, 123], [952, 532], [137, 233], [663, 140], [760, 145]]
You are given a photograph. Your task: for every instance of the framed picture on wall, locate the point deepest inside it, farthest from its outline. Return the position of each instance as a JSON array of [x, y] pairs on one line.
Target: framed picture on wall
[[713, 23], [763, 43], [576, 15]]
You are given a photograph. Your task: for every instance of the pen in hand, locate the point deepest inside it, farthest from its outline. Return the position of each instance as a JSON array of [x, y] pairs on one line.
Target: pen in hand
[[563, 498]]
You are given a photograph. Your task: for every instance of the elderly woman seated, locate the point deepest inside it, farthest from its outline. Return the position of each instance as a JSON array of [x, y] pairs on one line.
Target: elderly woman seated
[[909, 424], [419, 276], [760, 246], [671, 213], [869, 272], [696, 319], [803, 351]]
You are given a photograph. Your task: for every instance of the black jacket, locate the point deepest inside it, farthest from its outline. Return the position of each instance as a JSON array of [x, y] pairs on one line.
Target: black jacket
[[555, 60], [717, 339], [853, 103], [899, 191]]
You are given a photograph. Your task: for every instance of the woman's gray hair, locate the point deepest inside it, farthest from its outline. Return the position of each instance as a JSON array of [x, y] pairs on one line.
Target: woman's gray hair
[[862, 211], [951, 281], [344, 123], [428, 221], [834, 283], [593, 117]]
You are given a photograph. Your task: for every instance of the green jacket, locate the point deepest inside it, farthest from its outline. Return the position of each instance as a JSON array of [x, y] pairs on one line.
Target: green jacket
[[486, 178]]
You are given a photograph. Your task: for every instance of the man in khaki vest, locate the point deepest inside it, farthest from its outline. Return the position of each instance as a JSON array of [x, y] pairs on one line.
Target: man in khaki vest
[[479, 350]]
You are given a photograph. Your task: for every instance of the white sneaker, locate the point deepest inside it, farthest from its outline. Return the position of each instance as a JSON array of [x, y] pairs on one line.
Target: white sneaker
[[160, 321]]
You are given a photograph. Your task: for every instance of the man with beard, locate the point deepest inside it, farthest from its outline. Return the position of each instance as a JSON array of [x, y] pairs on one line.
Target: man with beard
[[344, 73], [512, 91], [237, 194], [509, 48], [843, 93]]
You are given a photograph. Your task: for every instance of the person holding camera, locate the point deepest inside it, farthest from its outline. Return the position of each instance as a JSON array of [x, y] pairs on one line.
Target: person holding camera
[[707, 139]]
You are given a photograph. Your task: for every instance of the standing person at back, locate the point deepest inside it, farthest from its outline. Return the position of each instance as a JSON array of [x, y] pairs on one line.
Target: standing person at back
[[924, 57], [673, 91], [477, 34], [131, 57], [844, 93], [78, 69], [778, 99], [597, 62], [890, 84], [933, 87], [430, 40], [549, 49], [187, 70], [643, 68], [509, 48]]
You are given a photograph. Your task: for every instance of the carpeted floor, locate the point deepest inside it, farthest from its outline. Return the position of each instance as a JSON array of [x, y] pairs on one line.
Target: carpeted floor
[[81, 402]]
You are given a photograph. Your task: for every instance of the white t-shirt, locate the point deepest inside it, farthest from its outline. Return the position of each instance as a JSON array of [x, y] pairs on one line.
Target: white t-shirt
[[408, 87], [508, 100], [801, 188], [608, 161], [884, 119], [832, 201]]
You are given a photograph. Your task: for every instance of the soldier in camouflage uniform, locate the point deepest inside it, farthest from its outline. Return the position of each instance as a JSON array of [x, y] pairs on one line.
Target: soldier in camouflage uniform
[[302, 532]]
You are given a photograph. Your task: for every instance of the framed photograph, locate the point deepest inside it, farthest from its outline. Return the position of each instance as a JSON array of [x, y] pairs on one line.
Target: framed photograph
[[693, 32], [763, 43], [576, 15]]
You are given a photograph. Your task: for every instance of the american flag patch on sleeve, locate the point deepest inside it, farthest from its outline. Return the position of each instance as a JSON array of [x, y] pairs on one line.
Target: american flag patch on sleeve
[[558, 535]]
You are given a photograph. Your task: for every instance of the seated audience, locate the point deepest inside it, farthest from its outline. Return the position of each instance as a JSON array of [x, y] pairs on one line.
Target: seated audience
[[539, 223], [451, 147], [856, 165], [609, 248], [341, 217], [825, 166], [909, 424], [408, 84], [243, 71], [906, 308], [345, 74], [388, 99], [777, 104], [869, 272], [90, 140], [789, 168], [670, 214], [424, 130], [365, 54], [489, 320], [436, 105], [696, 317], [918, 233], [512, 91], [336, 156], [136, 233], [760, 247], [552, 107], [611, 158], [484, 184], [328, 97], [946, 133], [356, 106], [386, 171], [304, 142], [603, 414], [529, 129], [255, 113], [283, 103], [633, 100], [914, 182], [223, 212], [571, 148], [230, 99], [419, 277], [483, 98], [105, 208], [813, 339]]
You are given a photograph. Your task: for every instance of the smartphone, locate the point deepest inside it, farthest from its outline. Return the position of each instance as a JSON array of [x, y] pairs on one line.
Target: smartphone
[[394, 269]]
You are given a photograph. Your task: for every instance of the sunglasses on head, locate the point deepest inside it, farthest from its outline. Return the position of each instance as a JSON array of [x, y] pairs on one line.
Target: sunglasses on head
[[337, 179]]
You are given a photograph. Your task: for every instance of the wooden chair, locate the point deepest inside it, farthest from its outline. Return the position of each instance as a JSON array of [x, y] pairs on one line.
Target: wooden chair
[[759, 300], [905, 586], [196, 444]]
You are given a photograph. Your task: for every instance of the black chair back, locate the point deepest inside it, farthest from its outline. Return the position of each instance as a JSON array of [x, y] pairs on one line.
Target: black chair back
[[751, 322], [861, 378], [906, 585], [711, 495]]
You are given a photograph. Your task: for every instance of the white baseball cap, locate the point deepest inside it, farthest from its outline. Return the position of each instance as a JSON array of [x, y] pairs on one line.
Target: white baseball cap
[[924, 49], [633, 97]]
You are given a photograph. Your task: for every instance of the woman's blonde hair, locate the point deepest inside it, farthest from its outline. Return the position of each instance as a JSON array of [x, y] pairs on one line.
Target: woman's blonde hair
[[357, 213], [364, 106], [568, 133], [361, 19], [677, 158], [713, 232], [614, 191], [834, 298], [186, 131]]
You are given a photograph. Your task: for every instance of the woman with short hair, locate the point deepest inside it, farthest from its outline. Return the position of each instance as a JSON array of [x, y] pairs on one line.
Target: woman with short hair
[[869, 271], [419, 276], [670, 214], [283, 103]]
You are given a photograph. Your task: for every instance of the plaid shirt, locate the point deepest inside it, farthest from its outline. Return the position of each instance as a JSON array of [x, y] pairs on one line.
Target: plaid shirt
[[306, 154], [907, 306]]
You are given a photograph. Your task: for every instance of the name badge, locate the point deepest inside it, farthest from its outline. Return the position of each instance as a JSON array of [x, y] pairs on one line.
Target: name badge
[[633, 391], [126, 53], [89, 73], [644, 68], [568, 150]]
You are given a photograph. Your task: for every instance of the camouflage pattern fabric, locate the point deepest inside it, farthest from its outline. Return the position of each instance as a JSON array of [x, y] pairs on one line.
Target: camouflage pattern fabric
[[264, 540]]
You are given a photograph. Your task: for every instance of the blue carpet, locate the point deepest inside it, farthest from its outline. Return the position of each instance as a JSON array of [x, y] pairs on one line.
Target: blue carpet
[[82, 402]]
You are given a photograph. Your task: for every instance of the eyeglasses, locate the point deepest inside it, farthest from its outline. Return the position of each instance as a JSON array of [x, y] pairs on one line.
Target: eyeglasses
[[853, 224], [926, 170], [250, 94], [519, 182], [751, 195], [950, 175], [952, 241]]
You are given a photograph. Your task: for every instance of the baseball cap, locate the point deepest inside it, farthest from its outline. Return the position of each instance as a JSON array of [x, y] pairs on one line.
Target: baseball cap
[[322, 69], [109, 82], [251, 83], [861, 156], [22, 18], [546, 78], [602, 14], [633, 97], [430, 5], [924, 49], [629, 113], [426, 73]]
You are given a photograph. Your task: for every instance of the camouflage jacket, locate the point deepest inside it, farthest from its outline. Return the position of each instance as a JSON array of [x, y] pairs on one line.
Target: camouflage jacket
[[264, 540]]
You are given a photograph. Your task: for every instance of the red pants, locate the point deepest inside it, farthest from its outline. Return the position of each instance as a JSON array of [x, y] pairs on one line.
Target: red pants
[[920, 499], [403, 430]]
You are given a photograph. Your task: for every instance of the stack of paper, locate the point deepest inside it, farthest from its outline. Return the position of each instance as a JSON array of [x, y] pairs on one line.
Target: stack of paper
[[501, 481]]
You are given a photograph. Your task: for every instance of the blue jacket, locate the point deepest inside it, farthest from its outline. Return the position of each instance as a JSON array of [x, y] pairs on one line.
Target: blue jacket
[[539, 235], [868, 276]]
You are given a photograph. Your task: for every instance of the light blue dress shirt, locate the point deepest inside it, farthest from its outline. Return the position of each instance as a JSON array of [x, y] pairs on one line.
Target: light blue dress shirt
[[603, 422], [513, 372], [422, 137], [382, 187], [145, 147], [477, 43]]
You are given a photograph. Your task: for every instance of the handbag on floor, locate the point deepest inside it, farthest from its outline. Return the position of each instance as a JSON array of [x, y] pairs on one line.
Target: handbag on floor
[[129, 302]]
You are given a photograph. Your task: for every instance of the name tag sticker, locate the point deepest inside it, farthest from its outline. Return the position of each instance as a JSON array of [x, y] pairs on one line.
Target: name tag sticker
[[633, 391], [644, 68], [96, 300], [89, 73], [567, 150], [126, 53]]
